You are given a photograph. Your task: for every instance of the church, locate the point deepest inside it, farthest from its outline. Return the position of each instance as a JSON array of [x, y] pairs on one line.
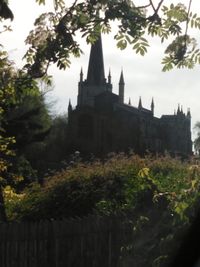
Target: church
[[102, 123]]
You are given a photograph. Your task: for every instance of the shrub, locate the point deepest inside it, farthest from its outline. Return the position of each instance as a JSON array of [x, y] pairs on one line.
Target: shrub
[[113, 185]]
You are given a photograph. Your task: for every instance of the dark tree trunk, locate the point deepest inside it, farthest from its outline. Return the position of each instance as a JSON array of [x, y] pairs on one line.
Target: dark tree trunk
[[3, 217]]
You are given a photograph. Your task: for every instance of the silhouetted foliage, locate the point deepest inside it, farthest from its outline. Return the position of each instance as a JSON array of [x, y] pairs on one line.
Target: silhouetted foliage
[[53, 40], [51, 153], [5, 11]]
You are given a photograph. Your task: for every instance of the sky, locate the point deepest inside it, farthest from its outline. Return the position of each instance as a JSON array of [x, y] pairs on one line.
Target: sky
[[143, 75]]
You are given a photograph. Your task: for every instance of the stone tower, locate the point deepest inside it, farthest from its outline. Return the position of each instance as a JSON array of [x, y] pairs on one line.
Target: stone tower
[[95, 83]]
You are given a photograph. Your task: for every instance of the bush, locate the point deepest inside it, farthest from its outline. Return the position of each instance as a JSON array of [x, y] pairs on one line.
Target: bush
[[114, 185]]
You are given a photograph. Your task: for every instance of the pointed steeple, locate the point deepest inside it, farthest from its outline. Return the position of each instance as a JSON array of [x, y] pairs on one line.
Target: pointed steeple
[[81, 75], [69, 107], [129, 101], [121, 87], [181, 109], [152, 105], [109, 77], [188, 113], [121, 80], [178, 110], [96, 75], [140, 103]]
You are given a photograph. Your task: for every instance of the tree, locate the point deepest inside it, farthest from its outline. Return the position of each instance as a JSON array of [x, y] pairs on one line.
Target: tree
[[5, 12], [24, 119], [54, 38], [27, 118], [6, 97], [197, 139], [51, 153]]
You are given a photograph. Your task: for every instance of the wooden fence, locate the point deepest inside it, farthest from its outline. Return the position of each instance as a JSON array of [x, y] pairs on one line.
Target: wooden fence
[[89, 242]]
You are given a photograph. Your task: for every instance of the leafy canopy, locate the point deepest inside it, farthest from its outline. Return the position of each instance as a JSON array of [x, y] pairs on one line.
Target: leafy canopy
[[53, 40]]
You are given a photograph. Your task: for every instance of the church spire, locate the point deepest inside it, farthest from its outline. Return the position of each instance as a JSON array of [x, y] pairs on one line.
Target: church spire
[[81, 75], [152, 105], [109, 77], [188, 113], [96, 75], [121, 80], [140, 103], [181, 109], [69, 107], [178, 110], [121, 88]]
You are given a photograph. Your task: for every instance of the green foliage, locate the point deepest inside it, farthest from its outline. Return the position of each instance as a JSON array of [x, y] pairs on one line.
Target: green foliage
[[6, 97], [23, 119], [53, 40], [51, 152], [119, 184], [10, 198], [160, 193], [197, 139], [28, 120], [40, 2], [182, 53]]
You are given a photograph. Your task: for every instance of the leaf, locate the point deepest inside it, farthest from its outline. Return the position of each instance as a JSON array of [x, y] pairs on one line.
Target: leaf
[[180, 208], [118, 37], [128, 39], [40, 2], [136, 46], [144, 172], [122, 44]]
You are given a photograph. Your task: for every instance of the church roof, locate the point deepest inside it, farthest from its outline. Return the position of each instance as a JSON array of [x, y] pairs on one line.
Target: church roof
[[134, 109]]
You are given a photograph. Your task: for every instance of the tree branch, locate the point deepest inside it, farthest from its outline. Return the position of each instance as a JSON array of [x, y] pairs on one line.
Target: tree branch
[[145, 6], [151, 4], [187, 22], [159, 5]]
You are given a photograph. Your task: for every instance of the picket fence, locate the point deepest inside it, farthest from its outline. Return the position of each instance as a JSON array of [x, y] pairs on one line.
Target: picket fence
[[93, 241]]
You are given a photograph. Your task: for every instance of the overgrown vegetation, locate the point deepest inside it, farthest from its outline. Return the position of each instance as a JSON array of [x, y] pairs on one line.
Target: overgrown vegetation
[[161, 193], [110, 186]]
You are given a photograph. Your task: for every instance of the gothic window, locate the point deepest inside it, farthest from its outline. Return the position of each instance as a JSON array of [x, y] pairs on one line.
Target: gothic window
[[86, 126]]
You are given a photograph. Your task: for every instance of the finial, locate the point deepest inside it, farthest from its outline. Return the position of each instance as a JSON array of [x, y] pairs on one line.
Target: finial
[[140, 103], [81, 75], [69, 106], [121, 88], [178, 110], [152, 105], [188, 113], [109, 76], [181, 109], [121, 80]]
